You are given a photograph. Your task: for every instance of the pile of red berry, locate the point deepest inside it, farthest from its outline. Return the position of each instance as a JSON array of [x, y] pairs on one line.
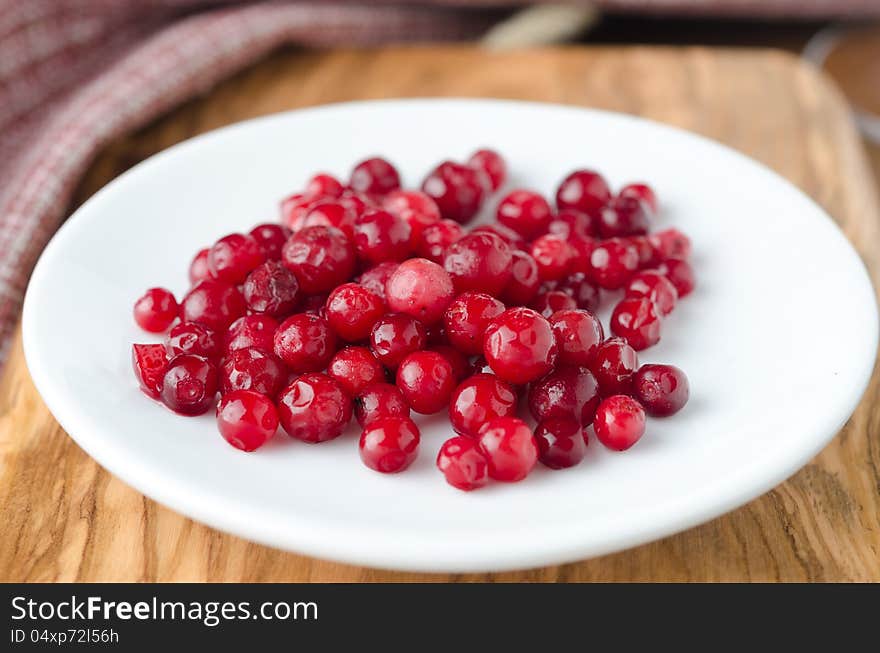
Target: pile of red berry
[[373, 301]]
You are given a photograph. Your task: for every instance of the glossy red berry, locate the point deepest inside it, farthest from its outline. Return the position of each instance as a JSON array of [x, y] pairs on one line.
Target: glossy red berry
[[680, 273], [395, 336], [457, 189], [246, 419], [324, 185], [213, 303], [198, 269], [519, 346], [272, 289], [420, 288], [662, 389], [332, 213], [571, 224], [462, 463], [553, 255], [524, 280], [320, 257], [671, 243], [415, 208], [352, 310], [509, 447], [583, 251], [641, 192], [550, 302], [479, 399], [426, 380], [374, 176], [314, 408], [389, 444], [578, 335], [232, 258], [150, 363], [654, 286], [648, 254], [623, 216], [562, 442], [526, 212], [251, 331], [379, 400], [638, 321], [492, 165], [466, 320], [620, 422], [381, 236], [612, 263], [509, 236], [252, 369], [189, 386], [377, 276], [436, 238], [461, 366], [583, 190], [613, 365], [355, 368], [305, 343], [155, 310], [270, 239], [565, 392], [193, 338], [479, 262], [585, 293], [294, 209]]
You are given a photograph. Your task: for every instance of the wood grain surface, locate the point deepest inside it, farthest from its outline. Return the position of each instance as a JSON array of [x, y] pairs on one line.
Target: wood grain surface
[[66, 519]]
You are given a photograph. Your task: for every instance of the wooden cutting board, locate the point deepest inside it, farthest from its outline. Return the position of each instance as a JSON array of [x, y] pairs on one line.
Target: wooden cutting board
[[66, 519]]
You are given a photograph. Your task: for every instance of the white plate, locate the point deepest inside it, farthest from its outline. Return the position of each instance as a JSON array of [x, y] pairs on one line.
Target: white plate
[[773, 374]]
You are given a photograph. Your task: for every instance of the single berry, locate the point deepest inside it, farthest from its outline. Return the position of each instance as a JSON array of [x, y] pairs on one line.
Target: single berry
[[246, 419], [305, 343], [509, 447], [526, 212], [562, 442], [554, 256], [270, 239], [662, 389], [623, 216], [352, 310], [193, 338], [232, 258], [519, 346], [466, 320], [324, 185], [213, 303], [655, 287], [251, 331], [156, 310], [461, 367], [389, 444], [355, 368], [314, 408], [190, 385], [332, 213], [252, 369], [426, 380], [571, 224], [612, 263], [492, 165], [198, 269], [381, 236], [479, 262], [479, 399], [649, 256], [578, 334], [641, 192], [524, 281], [638, 321], [294, 209], [620, 422], [436, 238], [566, 392], [457, 189], [320, 257], [272, 289], [395, 336], [376, 277], [671, 243], [583, 251], [150, 363], [680, 273], [613, 365], [583, 190], [550, 302], [374, 177], [462, 463], [379, 400], [415, 208], [419, 288]]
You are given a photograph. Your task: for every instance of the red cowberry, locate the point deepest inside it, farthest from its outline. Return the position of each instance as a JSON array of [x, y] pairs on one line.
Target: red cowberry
[[189, 385], [648, 254], [583, 250], [562, 442], [320, 257], [461, 367], [584, 292], [381, 236], [198, 269], [638, 321], [270, 239], [395, 336], [524, 281], [376, 277], [251, 331], [379, 400], [571, 224], [462, 463], [155, 310], [389, 444], [613, 365], [324, 185], [612, 263], [662, 389], [641, 192], [671, 243], [680, 273], [565, 392], [479, 399], [355, 368], [457, 189], [272, 289], [213, 303], [314, 408], [252, 369], [305, 343], [583, 190], [550, 302], [479, 262], [232, 258], [295, 207], [374, 176], [654, 286], [492, 165], [466, 320], [193, 338], [554, 256], [526, 212], [509, 447], [149, 363], [426, 380], [246, 419], [620, 422], [436, 238], [519, 345], [352, 310], [623, 216], [415, 208], [419, 288], [578, 334], [332, 213]]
